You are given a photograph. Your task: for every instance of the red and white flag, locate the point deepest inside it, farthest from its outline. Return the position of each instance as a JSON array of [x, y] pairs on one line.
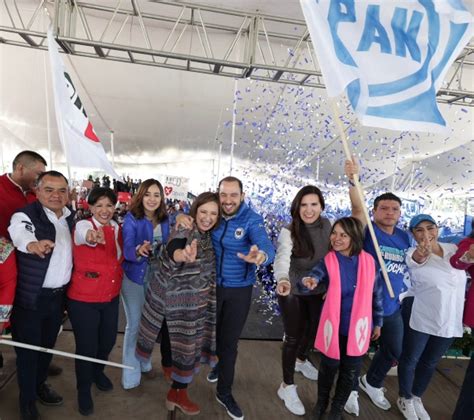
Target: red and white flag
[[80, 143]]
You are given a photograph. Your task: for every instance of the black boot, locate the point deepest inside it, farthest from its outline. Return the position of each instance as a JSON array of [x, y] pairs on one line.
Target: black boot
[[343, 390], [317, 413], [29, 411], [85, 403], [325, 380]]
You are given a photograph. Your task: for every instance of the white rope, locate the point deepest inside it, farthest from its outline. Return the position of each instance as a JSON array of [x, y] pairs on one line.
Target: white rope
[[63, 353]]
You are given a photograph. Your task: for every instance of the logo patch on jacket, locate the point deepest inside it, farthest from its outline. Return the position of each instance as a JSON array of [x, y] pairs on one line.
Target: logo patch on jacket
[[239, 233], [29, 226]]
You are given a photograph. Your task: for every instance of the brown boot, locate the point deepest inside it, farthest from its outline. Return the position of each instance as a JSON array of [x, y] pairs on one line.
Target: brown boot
[[179, 398], [167, 373]]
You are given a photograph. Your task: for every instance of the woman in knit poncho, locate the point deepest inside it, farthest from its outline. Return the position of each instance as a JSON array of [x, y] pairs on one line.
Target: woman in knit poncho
[[184, 293]]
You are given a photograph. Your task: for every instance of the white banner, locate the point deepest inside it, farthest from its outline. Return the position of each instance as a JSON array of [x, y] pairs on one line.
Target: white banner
[[175, 187], [81, 145], [391, 56]]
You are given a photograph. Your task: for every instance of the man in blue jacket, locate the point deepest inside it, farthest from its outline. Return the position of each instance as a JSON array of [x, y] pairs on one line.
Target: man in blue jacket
[[241, 243]]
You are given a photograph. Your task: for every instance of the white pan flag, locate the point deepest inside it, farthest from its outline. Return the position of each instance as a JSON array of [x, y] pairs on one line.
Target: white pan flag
[[391, 56], [81, 145]]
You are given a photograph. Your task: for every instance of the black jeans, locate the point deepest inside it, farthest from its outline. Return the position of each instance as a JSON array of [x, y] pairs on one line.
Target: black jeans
[[38, 327], [165, 345], [348, 367], [233, 305], [300, 320], [95, 329], [465, 405]]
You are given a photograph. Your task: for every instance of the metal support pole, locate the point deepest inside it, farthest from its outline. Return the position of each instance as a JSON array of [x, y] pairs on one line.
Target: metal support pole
[[112, 147], [234, 116]]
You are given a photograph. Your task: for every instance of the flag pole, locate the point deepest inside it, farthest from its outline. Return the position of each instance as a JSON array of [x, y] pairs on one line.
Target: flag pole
[[65, 151], [48, 128], [61, 124], [63, 353], [345, 145]]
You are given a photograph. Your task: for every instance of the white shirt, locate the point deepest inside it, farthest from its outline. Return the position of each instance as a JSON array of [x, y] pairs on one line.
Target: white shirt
[[83, 226], [22, 232], [439, 291]]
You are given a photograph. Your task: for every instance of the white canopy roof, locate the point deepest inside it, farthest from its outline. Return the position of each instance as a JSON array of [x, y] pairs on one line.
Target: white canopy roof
[[167, 121]]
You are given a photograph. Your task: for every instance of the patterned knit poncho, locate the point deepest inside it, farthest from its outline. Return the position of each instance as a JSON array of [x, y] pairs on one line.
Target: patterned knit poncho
[[184, 295]]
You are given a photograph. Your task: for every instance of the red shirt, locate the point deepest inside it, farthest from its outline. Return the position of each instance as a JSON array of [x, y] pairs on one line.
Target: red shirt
[[12, 198]]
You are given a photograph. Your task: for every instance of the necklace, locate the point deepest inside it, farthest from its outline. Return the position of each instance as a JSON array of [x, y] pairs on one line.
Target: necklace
[[205, 241]]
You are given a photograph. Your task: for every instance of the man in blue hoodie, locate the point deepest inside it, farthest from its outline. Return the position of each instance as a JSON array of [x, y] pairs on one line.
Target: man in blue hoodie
[[241, 243]]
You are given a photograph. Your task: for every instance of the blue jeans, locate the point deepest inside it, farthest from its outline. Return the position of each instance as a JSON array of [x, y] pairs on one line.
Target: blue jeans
[[133, 298], [421, 353], [388, 354]]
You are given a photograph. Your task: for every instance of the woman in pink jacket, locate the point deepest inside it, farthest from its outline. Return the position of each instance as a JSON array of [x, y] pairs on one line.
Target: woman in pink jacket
[[352, 313]]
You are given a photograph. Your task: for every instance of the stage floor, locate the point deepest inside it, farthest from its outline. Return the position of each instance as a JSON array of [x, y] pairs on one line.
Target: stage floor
[[258, 375]]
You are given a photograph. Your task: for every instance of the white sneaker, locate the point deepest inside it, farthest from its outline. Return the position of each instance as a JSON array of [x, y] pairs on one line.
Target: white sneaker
[[375, 394], [352, 404], [292, 402], [307, 369], [420, 409], [407, 408]]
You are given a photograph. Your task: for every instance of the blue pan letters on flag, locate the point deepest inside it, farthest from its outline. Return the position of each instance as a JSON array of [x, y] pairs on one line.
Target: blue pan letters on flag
[[391, 56]]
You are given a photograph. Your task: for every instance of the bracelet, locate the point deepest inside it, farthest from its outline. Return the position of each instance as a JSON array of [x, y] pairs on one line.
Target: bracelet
[[352, 183]]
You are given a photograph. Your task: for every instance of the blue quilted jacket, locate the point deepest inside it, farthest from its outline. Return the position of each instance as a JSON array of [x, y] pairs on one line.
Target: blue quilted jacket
[[238, 234]]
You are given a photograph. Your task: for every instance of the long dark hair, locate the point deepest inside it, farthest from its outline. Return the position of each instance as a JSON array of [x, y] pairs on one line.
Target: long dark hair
[[136, 206], [353, 227], [302, 244]]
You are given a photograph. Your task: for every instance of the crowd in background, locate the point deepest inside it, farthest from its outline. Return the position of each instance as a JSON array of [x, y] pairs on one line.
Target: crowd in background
[[173, 205]]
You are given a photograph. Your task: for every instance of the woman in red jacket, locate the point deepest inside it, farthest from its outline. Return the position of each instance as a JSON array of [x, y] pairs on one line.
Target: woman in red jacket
[[463, 259], [93, 295]]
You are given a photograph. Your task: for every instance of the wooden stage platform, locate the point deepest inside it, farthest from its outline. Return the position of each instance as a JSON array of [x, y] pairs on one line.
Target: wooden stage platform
[[257, 380]]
